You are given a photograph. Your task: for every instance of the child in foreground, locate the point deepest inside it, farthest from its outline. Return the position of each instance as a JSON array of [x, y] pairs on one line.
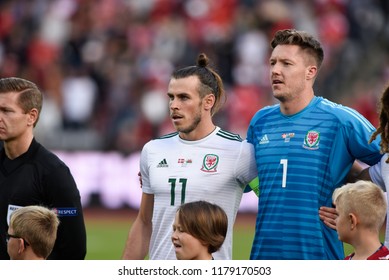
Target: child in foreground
[[361, 209], [32, 233], [199, 230]]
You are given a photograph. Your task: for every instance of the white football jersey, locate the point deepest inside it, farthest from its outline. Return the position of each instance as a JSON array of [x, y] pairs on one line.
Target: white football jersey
[[379, 174], [215, 168]]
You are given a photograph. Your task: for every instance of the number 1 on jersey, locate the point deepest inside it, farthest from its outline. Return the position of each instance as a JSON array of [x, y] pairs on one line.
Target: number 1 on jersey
[[172, 182], [284, 163]]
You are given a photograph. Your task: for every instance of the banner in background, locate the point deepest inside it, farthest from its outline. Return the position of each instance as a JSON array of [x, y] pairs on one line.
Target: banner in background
[[114, 179]]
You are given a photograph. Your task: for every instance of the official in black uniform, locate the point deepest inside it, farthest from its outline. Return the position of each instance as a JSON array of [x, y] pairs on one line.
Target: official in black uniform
[[32, 175]]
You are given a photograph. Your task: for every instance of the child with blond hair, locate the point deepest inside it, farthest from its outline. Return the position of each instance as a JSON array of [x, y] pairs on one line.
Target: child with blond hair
[[32, 233], [361, 209]]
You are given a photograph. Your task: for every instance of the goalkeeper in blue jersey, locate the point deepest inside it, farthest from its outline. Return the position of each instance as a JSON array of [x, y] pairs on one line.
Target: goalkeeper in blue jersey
[[305, 147]]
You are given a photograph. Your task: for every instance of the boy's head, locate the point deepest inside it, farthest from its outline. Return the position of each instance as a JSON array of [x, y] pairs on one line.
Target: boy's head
[[35, 227], [360, 205]]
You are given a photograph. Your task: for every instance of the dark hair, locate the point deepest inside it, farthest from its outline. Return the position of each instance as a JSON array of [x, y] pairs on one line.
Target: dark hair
[[384, 123], [205, 221], [210, 81], [30, 96], [302, 39]]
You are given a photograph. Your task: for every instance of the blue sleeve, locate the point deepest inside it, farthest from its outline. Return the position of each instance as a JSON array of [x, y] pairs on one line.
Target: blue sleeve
[[358, 135], [352, 142]]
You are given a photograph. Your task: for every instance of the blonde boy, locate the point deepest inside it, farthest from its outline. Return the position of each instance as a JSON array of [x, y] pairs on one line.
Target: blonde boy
[[361, 208], [32, 233]]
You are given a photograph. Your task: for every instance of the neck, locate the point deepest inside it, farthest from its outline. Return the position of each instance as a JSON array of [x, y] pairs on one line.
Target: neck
[[204, 256], [294, 105], [33, 257], [199, 132], [29, 254], [15, 148], [365, 245]]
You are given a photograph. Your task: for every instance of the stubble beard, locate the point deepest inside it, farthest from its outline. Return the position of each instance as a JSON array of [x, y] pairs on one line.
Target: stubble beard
[[280, 96], [192, 126]]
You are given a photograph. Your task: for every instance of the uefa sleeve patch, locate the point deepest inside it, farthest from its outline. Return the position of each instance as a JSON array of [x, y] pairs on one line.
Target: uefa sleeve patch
[[66, 212]]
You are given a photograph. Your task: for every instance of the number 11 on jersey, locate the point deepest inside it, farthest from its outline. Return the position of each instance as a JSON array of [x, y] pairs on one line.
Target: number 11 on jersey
[[172, 182]]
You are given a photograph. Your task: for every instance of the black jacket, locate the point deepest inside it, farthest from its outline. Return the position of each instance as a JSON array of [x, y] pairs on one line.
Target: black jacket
[[38, 177]]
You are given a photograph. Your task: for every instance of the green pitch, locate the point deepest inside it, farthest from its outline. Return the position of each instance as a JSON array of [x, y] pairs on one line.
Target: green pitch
[[106, 239]]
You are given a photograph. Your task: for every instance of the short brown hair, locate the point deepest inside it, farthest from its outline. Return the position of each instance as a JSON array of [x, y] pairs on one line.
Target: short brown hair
[[38, 226], [302, 39], [30, 96], [205, 221]]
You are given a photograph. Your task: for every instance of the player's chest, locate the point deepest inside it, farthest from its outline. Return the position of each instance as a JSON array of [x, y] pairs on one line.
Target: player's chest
[[302, 138], [200, 163], [196, 168]]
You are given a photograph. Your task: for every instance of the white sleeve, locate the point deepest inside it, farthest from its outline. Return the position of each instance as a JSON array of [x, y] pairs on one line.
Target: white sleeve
[[376, 172], [385, 176], [144, 170], [246, 166]]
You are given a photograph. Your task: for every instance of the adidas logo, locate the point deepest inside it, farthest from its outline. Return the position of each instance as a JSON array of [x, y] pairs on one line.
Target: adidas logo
[[264, 140], [163, 163]]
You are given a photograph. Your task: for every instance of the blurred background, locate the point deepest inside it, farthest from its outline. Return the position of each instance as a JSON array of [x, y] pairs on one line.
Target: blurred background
[[104, 65]]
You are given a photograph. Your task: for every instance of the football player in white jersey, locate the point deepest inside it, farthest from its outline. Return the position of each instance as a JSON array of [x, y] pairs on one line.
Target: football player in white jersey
[[198, 162]]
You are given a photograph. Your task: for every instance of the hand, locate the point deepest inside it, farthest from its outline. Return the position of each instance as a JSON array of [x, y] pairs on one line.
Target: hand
[[328, 216]]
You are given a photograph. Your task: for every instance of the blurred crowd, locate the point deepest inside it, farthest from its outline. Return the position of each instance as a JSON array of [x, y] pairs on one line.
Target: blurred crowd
[[104, 65]]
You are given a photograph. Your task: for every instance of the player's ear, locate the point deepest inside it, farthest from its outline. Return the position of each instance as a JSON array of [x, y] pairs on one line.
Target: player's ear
[[209, 101], [311, 72], [21, 246]]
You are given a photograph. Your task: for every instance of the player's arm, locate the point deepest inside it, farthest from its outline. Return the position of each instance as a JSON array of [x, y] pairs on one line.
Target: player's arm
[[138, 240], [357, 172], [253, 186], [374, 173], [62, 194]]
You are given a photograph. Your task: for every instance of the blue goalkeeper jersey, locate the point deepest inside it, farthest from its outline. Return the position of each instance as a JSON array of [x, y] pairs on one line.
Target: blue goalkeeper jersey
[[301, 159]]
